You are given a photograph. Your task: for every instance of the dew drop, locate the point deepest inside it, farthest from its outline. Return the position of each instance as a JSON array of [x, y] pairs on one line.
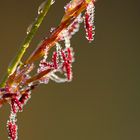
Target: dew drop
[[29, 28], [52, 2], [52, 29], [44, 80], [41, 7]]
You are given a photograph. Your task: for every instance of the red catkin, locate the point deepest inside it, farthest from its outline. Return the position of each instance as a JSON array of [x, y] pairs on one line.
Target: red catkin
[[12, 130], [89, 20]]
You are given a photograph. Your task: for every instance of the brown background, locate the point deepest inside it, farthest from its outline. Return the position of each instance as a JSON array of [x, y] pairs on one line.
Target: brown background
[[103, 100]]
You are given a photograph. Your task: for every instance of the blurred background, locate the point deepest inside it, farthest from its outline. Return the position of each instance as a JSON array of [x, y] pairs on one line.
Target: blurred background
[[103, 100]]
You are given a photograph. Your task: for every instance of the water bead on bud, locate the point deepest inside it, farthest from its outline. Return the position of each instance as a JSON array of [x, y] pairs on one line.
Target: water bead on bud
[[52, 29], [44, 80]]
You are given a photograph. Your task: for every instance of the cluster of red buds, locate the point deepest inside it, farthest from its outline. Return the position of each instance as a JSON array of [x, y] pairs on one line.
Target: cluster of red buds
[[89, 21], [21, 82], [16, 101], [16, 106], [61, 62], [12, 130]]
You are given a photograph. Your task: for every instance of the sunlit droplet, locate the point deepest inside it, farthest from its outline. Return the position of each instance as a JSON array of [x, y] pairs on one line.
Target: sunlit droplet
[[52, 2], [29, 28], [41, 7], [52, 29]]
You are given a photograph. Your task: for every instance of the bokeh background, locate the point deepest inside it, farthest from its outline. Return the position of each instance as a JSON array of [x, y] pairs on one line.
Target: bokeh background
[[103, 100]]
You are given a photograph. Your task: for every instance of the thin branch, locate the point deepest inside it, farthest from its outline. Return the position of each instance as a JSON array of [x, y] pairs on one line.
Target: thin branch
[[15, 62], [68, 18]]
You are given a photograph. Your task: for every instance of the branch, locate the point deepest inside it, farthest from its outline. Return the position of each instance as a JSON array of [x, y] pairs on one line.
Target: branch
[[15, 62], [67, 19]]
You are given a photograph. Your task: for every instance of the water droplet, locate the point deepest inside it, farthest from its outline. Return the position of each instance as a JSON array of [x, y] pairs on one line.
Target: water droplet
[[52, 29], [29, 28], [41, 7], [52, 2]]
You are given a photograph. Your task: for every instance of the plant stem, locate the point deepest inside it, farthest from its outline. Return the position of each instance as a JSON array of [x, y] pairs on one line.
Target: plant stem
[[15, 62], [50, 41]]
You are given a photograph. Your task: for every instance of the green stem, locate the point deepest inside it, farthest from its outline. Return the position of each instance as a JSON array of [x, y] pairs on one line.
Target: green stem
[[26, 41]]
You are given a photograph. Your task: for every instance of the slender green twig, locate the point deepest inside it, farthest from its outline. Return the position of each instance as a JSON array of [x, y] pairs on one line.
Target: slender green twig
[[15, 62]]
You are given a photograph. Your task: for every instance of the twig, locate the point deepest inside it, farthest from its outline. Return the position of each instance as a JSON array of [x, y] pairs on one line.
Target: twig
[[15, 62]]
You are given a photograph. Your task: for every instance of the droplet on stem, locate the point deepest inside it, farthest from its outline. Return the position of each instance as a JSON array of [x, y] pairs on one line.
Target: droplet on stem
[[29, 28], [41, 7], [52, 2], [52, 29]]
